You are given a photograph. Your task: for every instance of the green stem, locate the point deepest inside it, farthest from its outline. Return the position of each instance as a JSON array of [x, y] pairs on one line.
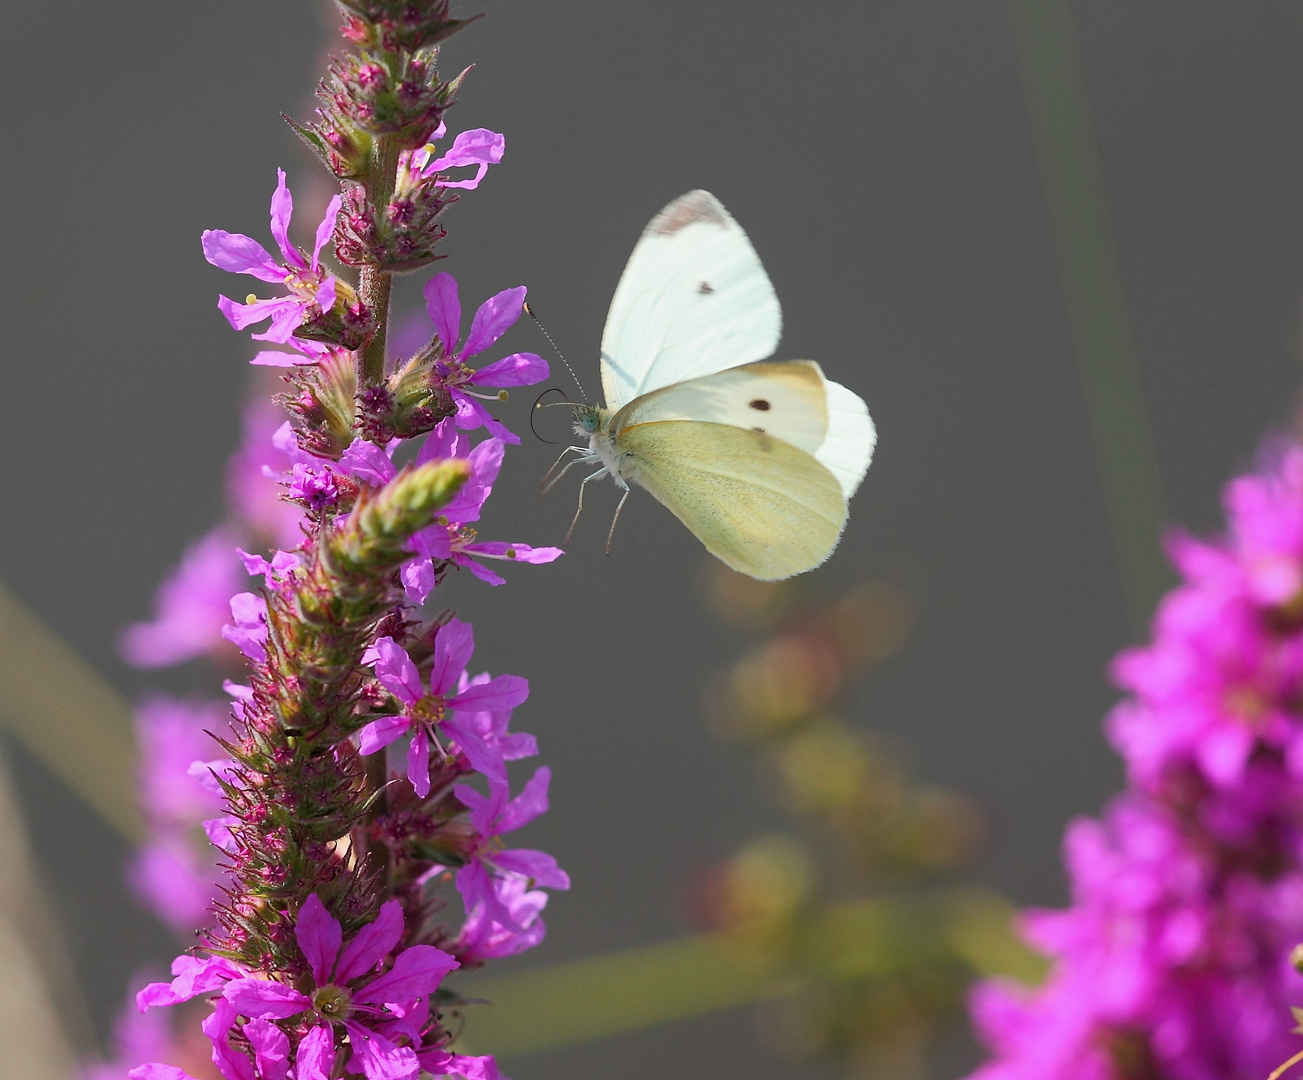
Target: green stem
[[375, 285]]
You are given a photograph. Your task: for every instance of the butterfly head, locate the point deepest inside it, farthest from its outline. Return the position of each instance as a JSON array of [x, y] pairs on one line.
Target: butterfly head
[[588, 419]]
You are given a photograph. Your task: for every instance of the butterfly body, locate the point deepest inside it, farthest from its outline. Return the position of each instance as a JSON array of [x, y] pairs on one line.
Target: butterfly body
[[756, 457]]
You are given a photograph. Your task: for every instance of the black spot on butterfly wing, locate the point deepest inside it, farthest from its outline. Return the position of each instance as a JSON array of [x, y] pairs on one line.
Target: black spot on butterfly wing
[[705, 289], [760, 405]]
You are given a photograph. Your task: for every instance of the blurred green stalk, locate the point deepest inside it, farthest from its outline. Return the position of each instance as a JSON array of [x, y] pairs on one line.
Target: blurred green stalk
[[59, 708], [618, 993], [1092, 285]]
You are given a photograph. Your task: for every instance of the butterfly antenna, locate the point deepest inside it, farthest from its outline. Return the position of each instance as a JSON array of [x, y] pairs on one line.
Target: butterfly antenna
[[560, 355], [538, 404]]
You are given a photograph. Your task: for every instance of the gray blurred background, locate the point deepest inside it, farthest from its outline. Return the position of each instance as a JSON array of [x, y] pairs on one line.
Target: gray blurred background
[[881, 157]]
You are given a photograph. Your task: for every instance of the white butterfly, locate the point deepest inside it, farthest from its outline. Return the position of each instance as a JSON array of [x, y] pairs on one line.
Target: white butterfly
[[757, 457]]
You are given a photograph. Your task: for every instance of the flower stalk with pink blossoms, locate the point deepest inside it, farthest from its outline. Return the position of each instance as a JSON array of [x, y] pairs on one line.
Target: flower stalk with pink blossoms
[[353, 787], [1173, 961]]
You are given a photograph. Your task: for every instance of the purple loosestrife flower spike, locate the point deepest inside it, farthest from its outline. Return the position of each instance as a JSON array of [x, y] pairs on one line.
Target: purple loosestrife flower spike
[[321, 953], [1187, 893]]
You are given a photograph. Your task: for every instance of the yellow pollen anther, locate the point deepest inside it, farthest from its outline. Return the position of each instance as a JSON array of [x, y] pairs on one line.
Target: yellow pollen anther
[[251, 299], [502, 395]]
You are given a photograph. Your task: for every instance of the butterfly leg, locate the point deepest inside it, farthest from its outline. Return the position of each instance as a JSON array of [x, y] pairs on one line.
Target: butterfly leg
[[611, 535], [567, 450], [556, 479], [580, 508]]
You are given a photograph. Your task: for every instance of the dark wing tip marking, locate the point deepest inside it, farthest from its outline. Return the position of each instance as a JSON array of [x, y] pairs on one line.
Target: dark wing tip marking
[[688, 210], [760, 405], [705, 288]]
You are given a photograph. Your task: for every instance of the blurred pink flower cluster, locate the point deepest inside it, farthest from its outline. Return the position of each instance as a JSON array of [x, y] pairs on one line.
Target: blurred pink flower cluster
[[1173, 959]]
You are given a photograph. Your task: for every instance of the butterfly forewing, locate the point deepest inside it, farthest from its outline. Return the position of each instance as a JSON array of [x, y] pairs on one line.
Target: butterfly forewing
[[693, 299], [763, 506]]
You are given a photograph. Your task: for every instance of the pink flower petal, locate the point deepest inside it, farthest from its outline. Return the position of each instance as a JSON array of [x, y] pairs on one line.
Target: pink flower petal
[[319, 936], [538, 866], [325, 231], [479, 146], [471, 413], [192, 978], [273, 358], [504, 692], [156, 1071], [240, 254], [493, 319], [416, 972], [418, 579], [481, 572], [453, 647], [372, 943], [396, 672], [529, 804], [368, 462], [231, 1063], [518, 369], [271, 1049], [378, 1058], [282, 207], [483, 758], [432, 542], [315, 1059], [380, 733], [496, 549], [325, 294], [262, 998], [418, 762], [444, 309]]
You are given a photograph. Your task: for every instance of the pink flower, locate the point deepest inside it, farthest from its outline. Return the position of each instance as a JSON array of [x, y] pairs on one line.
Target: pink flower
[[449, 540], [449, 697], [483, 937], [481, 881], [478, 148], [267, 455], [190, 607], [247, 630], [378, 1011], [494, 317], [310, 290]]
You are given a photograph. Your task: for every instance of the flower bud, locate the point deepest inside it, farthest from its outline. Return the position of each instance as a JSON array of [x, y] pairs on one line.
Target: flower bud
[[324, 404], [400, 24]]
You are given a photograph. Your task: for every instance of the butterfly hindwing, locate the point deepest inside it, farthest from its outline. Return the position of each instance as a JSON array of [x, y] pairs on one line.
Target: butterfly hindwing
[[693, 299], [790, 399], [761, 505], [847, 449], [786, 400]]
